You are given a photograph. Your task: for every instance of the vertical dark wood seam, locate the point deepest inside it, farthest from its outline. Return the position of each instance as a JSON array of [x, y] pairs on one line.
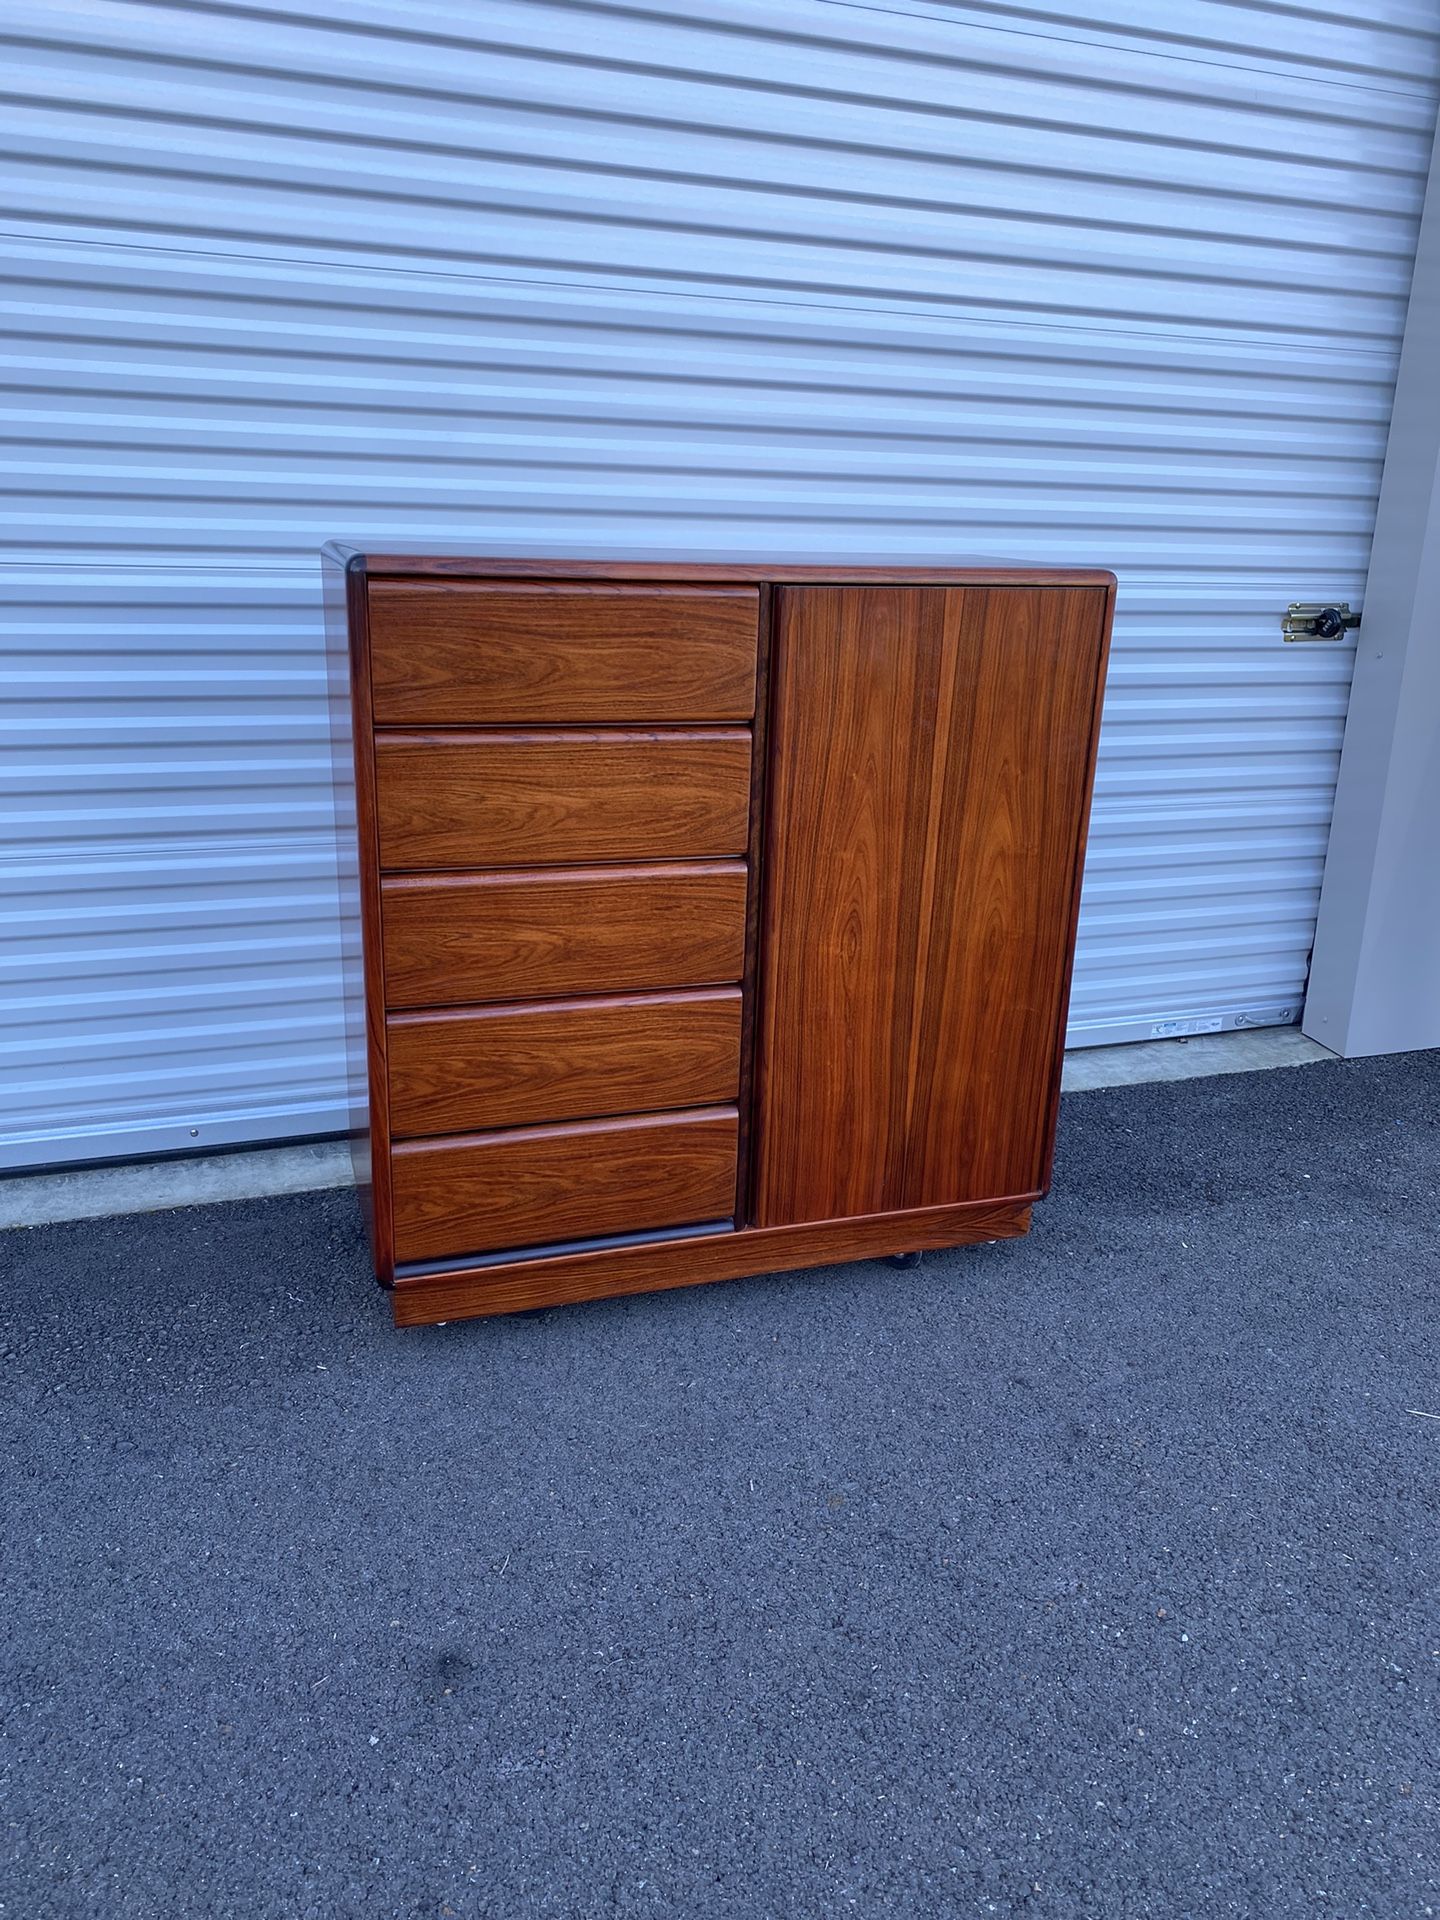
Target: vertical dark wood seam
[[944, 750], [381, 1186], [1047, 1157], [755, 853], [905, 939]]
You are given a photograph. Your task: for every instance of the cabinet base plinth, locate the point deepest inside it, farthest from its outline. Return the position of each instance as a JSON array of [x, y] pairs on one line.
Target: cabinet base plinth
[[469, 1293]]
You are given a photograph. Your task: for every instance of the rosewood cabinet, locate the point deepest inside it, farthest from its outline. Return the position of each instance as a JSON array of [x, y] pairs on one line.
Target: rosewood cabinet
[[706, 920]]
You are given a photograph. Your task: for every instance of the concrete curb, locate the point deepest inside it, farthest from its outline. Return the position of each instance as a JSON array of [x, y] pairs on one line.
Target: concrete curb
[[149, 1186]]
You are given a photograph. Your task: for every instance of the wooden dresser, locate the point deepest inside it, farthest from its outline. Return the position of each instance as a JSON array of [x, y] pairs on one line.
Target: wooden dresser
[[705, 920]]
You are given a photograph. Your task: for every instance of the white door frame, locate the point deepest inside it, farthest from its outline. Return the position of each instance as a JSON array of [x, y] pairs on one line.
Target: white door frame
[[1375, 971]]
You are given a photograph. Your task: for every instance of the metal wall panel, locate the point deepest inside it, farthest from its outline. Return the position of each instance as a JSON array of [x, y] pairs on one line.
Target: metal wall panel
[[800, 278]]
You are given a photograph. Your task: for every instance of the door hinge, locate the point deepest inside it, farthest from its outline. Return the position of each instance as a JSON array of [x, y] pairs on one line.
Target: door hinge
[[1303, 622]]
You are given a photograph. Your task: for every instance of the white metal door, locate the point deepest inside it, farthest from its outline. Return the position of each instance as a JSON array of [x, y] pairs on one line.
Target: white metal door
[[799, 278]]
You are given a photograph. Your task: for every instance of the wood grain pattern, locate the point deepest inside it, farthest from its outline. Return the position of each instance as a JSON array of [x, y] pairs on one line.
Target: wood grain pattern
[[504, 799], [563, 1279], [1009, 837], [489, 655], [535, 1184], [468, 1068], [560, 931], [931, 760], [848, 689]]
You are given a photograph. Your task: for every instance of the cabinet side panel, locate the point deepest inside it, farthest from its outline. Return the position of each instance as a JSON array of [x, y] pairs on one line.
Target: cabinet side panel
[[1005, 842], [352, 762], [855, 676]]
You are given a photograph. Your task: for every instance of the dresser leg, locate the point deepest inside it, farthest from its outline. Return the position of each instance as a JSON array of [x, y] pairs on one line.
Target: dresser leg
[[905, 1259]]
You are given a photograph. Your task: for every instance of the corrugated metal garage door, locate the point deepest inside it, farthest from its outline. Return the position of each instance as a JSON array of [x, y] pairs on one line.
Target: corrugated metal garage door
[[793, 277]]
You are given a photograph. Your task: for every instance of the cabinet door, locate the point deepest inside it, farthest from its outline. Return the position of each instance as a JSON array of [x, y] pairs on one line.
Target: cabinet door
[[930, 779]]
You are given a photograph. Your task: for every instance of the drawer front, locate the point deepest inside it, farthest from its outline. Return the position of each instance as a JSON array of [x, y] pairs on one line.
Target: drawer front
[[519, 799], [491, 655], [473, 1067], [488, 1191], [533, 934]]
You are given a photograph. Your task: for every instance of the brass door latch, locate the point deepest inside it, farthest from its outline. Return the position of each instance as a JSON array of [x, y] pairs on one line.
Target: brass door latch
[[1317, 622]]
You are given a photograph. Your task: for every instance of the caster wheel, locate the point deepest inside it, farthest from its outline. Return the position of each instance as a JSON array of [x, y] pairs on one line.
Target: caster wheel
[[905, 1259]]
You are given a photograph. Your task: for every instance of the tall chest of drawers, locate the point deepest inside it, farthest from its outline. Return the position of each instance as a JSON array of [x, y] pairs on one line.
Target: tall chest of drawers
[[702, 920]]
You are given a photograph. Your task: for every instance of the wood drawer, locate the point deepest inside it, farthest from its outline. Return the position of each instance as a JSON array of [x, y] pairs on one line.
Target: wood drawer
[[535, 1185], [489, 655], [510, 1066], [517, 936], [518, 799]]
